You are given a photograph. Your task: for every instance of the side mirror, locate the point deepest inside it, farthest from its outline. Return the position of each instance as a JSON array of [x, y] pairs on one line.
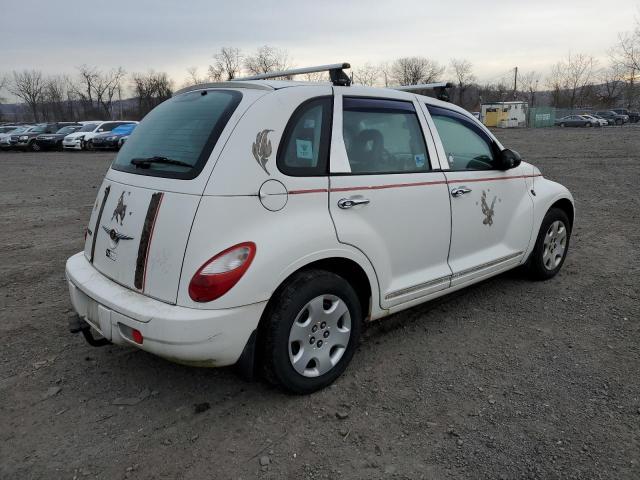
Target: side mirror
[[509, 159]]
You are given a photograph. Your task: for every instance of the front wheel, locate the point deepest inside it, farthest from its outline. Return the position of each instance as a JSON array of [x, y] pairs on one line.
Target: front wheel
[[311, 331], [551, 245], [562, 125], [34, 147]]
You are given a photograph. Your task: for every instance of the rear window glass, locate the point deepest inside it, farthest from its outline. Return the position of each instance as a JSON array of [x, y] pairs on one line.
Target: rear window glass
[[176, 138]]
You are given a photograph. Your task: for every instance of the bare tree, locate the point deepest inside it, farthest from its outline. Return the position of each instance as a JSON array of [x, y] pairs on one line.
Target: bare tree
[[571, 77], [316, 77], [29, 86], [463, 71], [366, 75], [97, 89], [415, 70], [626, 55], [529, 83], [386, 73], [151, 89], [267, 59], [226, 64], [612, 83], [194, 78], [55, 96], [555, 83]]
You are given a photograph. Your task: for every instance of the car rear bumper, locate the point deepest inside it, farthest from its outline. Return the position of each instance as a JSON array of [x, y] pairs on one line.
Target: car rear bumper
[[185, 335]]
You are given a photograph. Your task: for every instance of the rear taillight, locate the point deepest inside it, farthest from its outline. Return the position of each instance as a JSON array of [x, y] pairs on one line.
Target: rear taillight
[[219, 274]]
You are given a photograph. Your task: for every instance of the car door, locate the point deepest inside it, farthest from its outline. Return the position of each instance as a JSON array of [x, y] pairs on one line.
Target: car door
[[387, 196], [491, 210]]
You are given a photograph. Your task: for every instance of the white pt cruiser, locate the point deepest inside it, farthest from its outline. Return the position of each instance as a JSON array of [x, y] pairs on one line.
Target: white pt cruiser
[[261, 222]]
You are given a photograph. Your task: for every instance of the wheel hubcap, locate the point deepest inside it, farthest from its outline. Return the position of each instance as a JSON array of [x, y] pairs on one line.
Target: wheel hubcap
[[319, 336], [555, 245]]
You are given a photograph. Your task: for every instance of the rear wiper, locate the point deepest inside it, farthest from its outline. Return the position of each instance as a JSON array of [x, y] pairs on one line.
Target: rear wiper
[[146, 162]]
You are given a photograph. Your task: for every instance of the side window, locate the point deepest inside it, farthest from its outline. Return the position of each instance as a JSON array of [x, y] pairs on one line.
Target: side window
[[107, 127], [467, 147], [383, 136], [304, 148]]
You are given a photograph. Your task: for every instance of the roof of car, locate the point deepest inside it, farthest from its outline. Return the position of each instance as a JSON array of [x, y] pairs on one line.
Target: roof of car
[[280, 84]]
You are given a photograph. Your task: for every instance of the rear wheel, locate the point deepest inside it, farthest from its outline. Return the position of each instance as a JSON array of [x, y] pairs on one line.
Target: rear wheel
[[562, 125], [551, 245], [311, 331], [589, 124]]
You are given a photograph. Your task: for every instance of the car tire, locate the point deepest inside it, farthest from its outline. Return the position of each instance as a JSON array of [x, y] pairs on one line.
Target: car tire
[[618, 121], [552, 245], [589, 124], [34, 147], [562, 125], [310, 331]]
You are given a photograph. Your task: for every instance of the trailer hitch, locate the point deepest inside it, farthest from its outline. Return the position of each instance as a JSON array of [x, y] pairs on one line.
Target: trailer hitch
[[78, 325]]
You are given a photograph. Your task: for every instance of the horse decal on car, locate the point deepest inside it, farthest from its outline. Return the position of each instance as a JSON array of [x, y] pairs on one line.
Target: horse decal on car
[[120, 211]]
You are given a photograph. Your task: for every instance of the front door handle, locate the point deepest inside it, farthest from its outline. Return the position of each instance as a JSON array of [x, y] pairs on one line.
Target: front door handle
[[352, 202], [459, 191]]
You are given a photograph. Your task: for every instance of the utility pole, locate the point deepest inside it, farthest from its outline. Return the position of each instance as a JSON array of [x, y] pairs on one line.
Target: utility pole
[[515, 82]]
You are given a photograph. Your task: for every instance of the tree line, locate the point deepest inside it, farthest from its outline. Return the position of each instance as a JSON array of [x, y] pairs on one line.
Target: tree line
[[577, 80]]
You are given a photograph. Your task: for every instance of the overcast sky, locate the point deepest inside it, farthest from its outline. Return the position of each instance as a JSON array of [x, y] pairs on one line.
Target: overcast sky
[[57, 36]]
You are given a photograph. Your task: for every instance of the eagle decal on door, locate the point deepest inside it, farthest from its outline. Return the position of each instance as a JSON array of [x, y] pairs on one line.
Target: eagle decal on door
[[487, 210], [261, 149]]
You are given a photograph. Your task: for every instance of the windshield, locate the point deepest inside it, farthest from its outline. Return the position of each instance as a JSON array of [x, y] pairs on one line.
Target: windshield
[[89, 127], [67, 130], [183, 129], [38, 129], [124, 129]]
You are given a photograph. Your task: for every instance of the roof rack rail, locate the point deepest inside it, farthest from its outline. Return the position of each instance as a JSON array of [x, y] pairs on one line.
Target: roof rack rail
[[336, 73], [440, 89]]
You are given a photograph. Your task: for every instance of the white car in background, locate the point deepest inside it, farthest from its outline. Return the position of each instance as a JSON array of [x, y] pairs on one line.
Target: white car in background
[[81, 139], [598, 122], [260, 223], [5, 137]]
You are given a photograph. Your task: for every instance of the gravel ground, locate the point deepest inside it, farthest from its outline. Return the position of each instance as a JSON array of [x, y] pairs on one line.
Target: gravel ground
[[508, 379]]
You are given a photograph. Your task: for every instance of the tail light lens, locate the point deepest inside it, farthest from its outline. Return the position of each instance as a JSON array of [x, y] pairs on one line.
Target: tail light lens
[[219, 274]]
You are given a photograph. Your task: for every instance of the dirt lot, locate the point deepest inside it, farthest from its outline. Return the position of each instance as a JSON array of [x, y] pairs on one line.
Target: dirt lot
[[506, 380]]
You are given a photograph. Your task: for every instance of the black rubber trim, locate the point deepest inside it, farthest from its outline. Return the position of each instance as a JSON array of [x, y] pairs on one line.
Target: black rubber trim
[[321, 169], [145, 239], [96, 227]]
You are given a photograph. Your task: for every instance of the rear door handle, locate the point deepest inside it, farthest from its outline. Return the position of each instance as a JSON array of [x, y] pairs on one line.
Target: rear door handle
[[352, 202], [459, 191]]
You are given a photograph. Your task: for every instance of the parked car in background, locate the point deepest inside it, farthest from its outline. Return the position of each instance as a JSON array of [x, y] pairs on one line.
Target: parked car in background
[[27, 139], [4, 129], [113, 140], [574, 121], [82, 139], [5, 135], [51, 141], [612, 117], [5, 138], [597, 122], [634, 116]]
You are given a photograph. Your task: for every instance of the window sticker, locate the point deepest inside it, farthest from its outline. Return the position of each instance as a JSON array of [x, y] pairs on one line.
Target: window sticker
[[304, 149], [309, 123], [420, 160]]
